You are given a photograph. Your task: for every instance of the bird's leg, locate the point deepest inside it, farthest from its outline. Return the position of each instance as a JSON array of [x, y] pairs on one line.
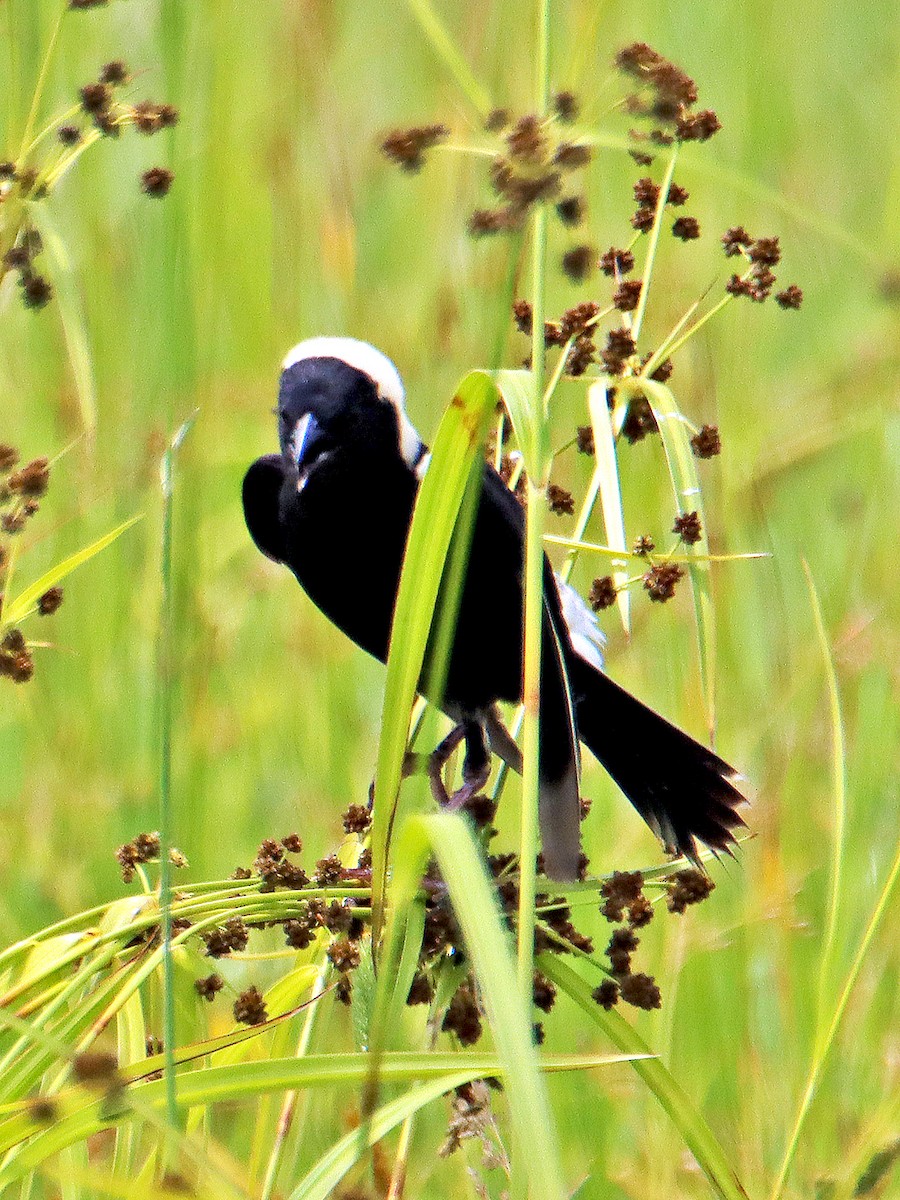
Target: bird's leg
[[476, 765], [437, 760]]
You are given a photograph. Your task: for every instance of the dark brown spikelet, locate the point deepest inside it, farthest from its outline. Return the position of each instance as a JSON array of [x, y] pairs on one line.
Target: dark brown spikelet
[[585, 439], [96, 1069], [765, 252], [576, 320], [578, 262], [571, 210], [224, 939], [406, 147], [357, 819], [616, 261], [463, 1015], [677, 195], [543, 992], [735, 240], [622, 945], [49, 601], [344, 955], [707, 443], [207, 987], [618, 892], [523, 316], [791, 297], [644, 544], [43, 1110], [737, 286], [640, 912], [421, 990], [146, 117], [689, 886], [565, 105], [688, 528], [17, 258], [7, 169], [569, 156], [487, 221], [638, 59], [607, 994], [168, 115], [526, 140], [329, 871], [643, 219], [36, 291], [560, 501], [69, 135], [292, 842], [9, 456], [627, 295], [156, 181], [686, 228], [298, 934], [646, 193], [497, 119], [640, 991], [660, 581], [114, 73], [641, 157], [581, 355], [95, 98], [697, 127], [603, 593], [250, 1007]]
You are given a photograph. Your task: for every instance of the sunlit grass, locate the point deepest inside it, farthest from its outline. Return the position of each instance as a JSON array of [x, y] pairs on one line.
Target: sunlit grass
[[283, 222]]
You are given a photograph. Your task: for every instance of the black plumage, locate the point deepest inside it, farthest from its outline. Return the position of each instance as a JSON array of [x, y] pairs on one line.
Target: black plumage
[[335, 507]]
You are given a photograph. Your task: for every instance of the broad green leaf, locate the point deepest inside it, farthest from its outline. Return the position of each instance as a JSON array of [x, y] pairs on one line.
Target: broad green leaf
[[457, 445], [26, 600]]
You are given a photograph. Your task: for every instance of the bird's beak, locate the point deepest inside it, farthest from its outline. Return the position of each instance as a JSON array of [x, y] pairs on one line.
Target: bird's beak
[[301, 439]]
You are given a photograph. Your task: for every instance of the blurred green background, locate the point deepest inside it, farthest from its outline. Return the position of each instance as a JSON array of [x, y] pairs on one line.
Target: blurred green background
[[284, 221]]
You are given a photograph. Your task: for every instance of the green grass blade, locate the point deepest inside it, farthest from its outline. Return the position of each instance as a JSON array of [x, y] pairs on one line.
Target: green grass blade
[[517, 390], [450, 54], [26, 600], [488, 944], [457, 445], [71, 313], [607, 475], [682, 463], [698, 1137]]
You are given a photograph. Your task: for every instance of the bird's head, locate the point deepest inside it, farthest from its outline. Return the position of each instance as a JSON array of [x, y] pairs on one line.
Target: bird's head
[[339, 394]]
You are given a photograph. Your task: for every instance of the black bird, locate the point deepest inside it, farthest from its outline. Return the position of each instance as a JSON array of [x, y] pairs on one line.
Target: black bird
[[335, 507]]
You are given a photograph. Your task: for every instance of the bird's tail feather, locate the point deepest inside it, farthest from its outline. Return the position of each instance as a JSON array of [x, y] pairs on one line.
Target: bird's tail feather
[[684, 791]]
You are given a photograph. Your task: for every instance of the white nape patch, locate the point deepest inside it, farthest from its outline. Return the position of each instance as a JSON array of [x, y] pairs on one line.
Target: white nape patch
[[422, 466], [587, 637], [379, 368]]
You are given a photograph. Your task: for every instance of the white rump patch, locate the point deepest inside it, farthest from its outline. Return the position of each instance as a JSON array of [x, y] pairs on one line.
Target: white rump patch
[[379, 368], [585, 633]]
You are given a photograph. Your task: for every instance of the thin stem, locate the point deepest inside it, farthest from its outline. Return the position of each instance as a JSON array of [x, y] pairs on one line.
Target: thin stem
[[39, 86], [654, 242]]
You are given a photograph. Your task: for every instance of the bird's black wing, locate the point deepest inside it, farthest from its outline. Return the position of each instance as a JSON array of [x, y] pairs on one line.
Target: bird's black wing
[[260, 491]]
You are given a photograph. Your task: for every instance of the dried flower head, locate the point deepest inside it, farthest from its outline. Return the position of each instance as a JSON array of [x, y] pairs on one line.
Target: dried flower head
[[406, 147]]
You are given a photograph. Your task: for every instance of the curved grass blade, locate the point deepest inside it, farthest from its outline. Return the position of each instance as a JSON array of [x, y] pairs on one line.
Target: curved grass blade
[[456, 447], [77, 1119], [676, 439], [27, 599], [71, 314], [698, 1136], [607, 476]]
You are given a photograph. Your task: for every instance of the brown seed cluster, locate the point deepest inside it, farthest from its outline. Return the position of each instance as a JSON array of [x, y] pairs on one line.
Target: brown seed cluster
[[603, 593], [660, 581], [407, 147], [144, 849], [758, 280], [250, 1007], [20, 491], [624, 901], [102, 113]]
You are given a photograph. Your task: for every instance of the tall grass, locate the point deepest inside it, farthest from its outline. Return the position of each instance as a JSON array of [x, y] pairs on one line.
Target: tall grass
[[284, 222]]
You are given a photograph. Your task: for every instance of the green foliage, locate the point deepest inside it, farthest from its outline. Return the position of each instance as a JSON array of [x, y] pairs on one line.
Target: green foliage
[[776, 1040]]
